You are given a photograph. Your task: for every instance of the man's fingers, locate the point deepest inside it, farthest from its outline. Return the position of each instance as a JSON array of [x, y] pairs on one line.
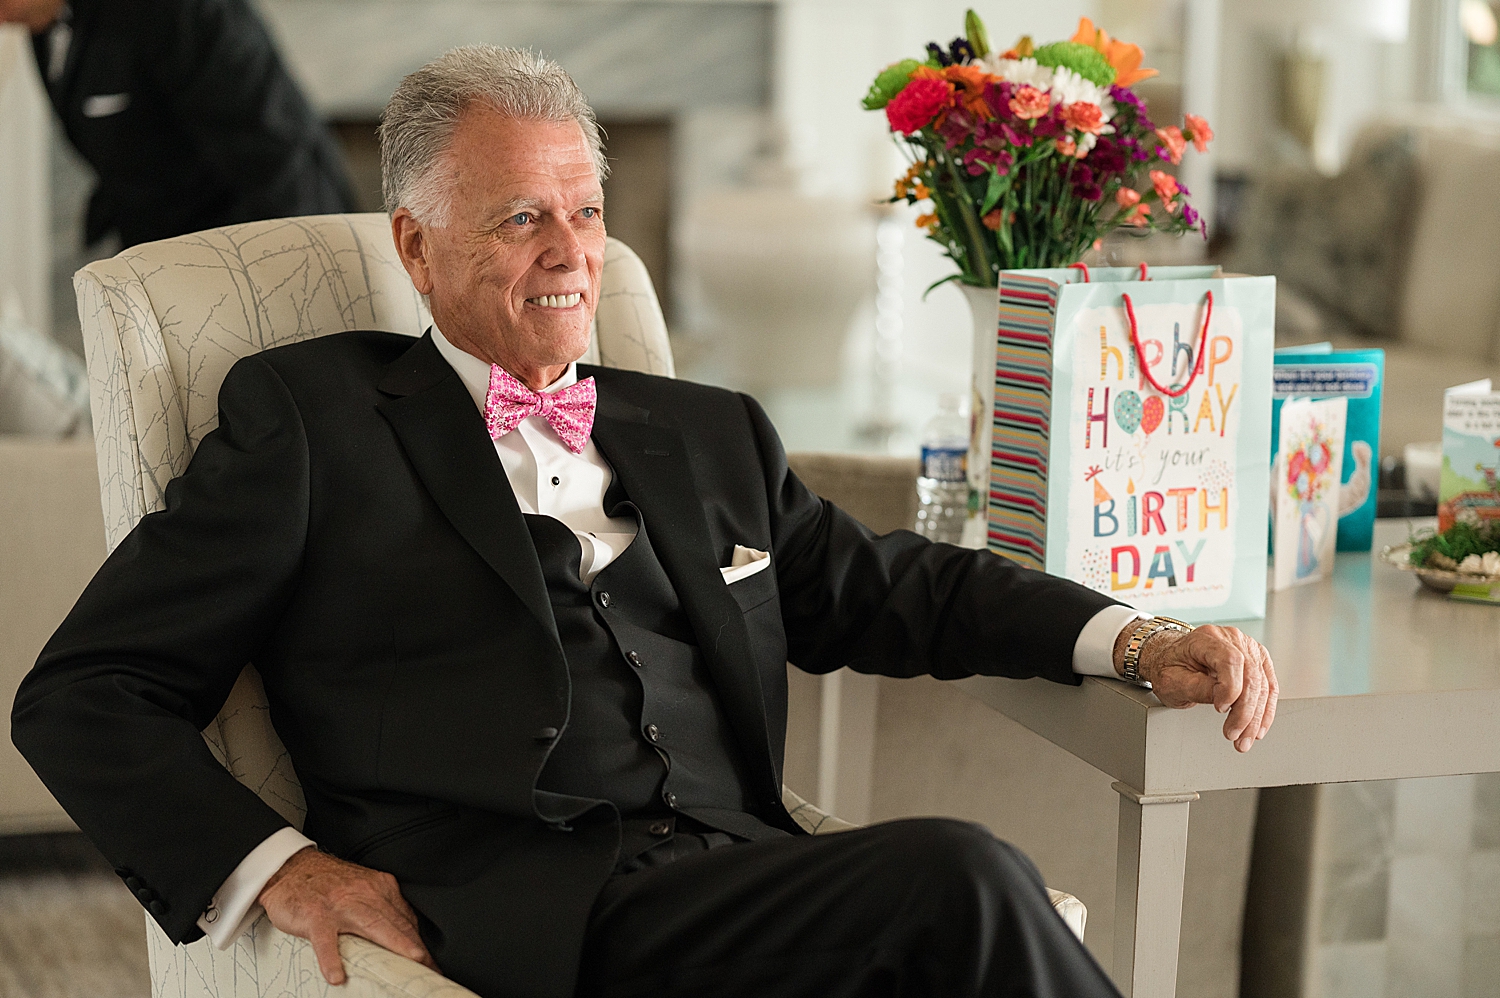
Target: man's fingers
[[325, 944], [1273, 693], [1225, 661], [385, 929]]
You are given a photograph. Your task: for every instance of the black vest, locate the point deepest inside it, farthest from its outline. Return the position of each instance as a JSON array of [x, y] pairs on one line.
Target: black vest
[[645, 730]]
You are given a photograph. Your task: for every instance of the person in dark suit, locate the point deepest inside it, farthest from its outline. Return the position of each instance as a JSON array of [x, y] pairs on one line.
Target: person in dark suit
[[523, 626], [185, 111]]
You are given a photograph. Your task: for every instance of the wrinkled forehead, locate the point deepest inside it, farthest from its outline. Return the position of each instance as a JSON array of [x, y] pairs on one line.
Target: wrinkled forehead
[[496, 157]]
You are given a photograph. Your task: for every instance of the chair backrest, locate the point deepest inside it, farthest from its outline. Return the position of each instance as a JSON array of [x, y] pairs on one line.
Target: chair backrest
[[164, 321]]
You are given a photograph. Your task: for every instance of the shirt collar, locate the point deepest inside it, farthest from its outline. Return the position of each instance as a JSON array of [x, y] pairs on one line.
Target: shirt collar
[[475, 373]]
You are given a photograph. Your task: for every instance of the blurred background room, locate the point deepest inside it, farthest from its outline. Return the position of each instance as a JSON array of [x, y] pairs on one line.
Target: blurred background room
[[1356, 157]]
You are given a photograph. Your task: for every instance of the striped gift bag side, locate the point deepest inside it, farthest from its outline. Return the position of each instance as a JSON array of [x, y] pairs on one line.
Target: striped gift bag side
[[1021, 421]]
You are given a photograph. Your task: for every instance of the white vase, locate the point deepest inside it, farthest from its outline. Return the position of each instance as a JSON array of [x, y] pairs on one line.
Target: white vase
[[984, 306]]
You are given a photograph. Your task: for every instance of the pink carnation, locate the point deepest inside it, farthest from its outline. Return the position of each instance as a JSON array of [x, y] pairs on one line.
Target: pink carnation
[[1029, 102], [1199, 132], [917, 104], [1172, 140], [1166, 188], [1083, 116]]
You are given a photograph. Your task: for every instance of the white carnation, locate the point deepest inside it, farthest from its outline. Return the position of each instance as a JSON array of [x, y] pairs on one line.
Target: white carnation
[[1061, 84]]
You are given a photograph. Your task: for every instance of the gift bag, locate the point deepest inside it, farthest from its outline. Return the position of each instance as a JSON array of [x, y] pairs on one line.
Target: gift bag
[[1131, 419]]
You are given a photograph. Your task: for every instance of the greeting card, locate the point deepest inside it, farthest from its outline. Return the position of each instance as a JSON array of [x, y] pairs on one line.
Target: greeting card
[[1311, 445]]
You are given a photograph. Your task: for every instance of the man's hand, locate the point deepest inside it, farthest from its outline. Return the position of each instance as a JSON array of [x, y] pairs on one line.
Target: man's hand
[[317, 896], [1219, 665]]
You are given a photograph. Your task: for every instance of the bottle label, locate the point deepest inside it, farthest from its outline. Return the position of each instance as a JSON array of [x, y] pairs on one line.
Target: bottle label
[[946, 464]]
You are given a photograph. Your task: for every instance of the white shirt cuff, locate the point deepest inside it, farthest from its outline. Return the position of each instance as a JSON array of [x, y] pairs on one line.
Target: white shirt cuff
[[234, 908], [1094, 651]]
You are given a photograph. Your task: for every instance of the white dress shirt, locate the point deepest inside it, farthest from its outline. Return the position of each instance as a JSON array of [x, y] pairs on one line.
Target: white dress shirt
[[551, 480]]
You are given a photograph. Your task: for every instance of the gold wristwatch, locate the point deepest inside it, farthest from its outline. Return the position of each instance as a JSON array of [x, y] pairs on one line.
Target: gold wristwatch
[[1144, 631]]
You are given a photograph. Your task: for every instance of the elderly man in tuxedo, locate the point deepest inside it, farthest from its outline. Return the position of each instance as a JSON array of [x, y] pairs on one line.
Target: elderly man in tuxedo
[[523, 627]]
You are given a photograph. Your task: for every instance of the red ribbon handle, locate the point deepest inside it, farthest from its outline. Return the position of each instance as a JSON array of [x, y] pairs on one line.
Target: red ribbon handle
[[1135, 341], [1083, 267], [1145, 274]]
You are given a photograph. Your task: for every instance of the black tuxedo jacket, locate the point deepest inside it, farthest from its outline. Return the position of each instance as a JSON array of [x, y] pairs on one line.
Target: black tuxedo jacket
[[190, 119], [349, 529]]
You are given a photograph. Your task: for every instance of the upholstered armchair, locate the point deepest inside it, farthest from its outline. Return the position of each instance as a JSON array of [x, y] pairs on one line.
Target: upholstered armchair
[[163, 322]]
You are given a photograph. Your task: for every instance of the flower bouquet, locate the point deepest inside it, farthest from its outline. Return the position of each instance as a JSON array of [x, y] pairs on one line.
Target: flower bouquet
[[1031, 155]]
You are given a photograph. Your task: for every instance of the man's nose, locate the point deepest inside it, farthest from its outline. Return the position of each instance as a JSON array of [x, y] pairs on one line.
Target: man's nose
[[563, 250]]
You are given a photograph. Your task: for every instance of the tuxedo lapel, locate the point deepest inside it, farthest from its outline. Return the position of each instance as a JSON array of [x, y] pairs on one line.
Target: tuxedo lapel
[[651, 464], [444, 437]]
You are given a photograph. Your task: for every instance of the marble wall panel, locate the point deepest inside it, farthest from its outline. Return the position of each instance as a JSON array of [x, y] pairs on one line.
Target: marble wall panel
[[642, 59]]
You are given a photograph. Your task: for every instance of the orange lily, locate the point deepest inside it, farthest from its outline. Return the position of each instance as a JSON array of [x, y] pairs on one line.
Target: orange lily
[[1124, 57]]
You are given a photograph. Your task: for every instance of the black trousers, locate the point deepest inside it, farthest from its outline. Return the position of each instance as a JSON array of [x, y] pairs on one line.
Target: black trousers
[[923, 907]]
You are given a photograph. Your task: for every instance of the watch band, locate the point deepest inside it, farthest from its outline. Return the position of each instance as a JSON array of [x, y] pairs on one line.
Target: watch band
[[1144, 631]]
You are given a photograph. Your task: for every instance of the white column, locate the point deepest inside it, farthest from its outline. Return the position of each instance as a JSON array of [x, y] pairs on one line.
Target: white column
[[25, 193], [1200, 95], [1149, 874]]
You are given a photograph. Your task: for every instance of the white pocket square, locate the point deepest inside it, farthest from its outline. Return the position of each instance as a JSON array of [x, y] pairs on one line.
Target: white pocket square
[[745, 563], [104, 105]]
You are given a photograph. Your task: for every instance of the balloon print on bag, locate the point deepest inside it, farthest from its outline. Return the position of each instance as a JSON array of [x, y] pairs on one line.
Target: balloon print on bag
[[1128, 411], [1152, 413]]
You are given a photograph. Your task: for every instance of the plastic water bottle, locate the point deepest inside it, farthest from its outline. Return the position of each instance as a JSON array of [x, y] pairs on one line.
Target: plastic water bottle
[[943, 485]]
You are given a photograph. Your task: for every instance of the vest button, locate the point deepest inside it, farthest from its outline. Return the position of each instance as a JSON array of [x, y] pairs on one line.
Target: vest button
[[634, 658], [670, 798], [546, 734], [653, 733], [604, 599], [660, 828]]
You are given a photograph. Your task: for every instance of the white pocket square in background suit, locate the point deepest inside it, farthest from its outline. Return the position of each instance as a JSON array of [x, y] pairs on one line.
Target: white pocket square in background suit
[[745, 563]]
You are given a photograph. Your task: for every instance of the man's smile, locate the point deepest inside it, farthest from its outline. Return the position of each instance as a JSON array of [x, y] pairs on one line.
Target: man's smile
[[556, 301]]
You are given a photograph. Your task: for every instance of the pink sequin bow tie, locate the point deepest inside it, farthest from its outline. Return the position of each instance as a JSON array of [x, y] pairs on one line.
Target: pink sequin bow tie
[[570, 412]]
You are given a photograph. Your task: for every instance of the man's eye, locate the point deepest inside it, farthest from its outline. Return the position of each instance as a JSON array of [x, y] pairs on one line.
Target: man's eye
[[522, 218], [590, 212]]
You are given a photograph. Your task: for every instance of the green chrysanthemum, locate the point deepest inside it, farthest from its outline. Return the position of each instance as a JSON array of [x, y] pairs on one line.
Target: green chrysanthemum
[[891, 81], [1082, 59]]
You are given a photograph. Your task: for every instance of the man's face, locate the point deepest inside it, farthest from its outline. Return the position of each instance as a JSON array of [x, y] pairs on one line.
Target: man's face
[[33, 14], [513, 277]]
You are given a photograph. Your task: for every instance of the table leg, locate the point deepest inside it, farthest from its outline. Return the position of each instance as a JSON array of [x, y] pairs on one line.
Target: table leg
[[1148, 891]]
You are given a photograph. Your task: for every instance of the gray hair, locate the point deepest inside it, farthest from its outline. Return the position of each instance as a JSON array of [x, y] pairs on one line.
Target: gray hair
[[417, 127]]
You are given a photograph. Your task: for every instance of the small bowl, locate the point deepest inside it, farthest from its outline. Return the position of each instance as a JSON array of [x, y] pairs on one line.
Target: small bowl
[[1439, 579]]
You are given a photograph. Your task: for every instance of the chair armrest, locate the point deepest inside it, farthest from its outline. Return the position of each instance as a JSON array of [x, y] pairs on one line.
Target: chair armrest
[[268, 963], [812, 820], [375, 972]]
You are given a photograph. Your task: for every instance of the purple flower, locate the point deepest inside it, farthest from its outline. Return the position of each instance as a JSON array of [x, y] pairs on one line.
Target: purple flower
[[1107, 157], [1183, 188], [1083, 184], [1125, 97], [998, 135], [975, 160], [958, 126], [960, 51]]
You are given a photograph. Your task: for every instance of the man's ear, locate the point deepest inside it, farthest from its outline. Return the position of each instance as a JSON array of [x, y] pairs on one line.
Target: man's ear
[[413, 246]]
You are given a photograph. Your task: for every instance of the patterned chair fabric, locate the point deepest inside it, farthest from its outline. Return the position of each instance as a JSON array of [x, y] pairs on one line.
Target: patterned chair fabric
[[163, 322]]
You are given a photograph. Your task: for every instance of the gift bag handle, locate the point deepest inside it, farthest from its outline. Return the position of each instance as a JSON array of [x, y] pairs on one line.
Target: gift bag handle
[[1145, 272], [1135, 341]]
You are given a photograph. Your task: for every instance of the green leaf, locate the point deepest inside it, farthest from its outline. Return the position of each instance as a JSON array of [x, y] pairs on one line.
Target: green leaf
[[939, 283], [891, 81], [998, 186]]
